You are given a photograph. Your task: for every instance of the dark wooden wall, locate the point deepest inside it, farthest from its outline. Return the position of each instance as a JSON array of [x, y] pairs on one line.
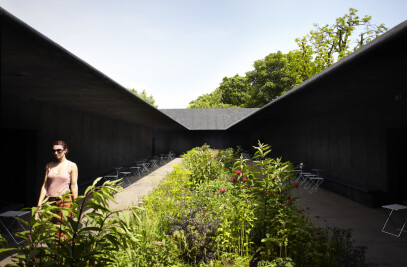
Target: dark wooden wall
[[97, 144]]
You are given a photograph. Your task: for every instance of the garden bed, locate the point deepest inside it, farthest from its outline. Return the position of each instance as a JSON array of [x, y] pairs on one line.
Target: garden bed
[[213, 210]]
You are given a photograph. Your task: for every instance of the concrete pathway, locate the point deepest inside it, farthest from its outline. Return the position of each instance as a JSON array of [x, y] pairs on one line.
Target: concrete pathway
[[131, 195], [366, 223]]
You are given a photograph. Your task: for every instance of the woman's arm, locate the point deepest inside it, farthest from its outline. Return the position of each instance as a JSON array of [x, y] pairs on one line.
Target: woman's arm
[[43, 190], [74, 180]]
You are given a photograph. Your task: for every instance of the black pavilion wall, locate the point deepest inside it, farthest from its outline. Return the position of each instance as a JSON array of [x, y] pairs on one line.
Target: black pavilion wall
[[97, 144], [350, 145]]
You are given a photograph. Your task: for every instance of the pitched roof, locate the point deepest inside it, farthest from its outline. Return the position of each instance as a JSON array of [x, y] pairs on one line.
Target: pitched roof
[[208, 118], [36, 67]]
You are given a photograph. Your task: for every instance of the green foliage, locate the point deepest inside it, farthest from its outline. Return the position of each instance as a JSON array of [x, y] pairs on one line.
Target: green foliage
[[269, 79], [235, 90], [278, 73], [253, 216], [329, 43], [143, 95], [4, 245], [203, 164], [204, 213], [87, 234], [211, 100], [228, 156]]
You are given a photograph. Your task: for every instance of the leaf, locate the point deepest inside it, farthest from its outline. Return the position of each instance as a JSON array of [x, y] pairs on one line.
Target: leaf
[[89, 229]]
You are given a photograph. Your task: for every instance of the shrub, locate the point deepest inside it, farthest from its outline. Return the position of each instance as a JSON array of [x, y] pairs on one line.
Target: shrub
[[205, 212], [91, 230], [203, 164]]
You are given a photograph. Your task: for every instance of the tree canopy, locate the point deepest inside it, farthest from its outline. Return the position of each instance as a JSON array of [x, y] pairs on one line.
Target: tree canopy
[[278, 73], [143, 95], [211, 100]]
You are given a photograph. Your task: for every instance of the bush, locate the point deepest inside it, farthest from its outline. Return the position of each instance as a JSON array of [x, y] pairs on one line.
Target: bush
[[88, 233], [204, 213], [203, 164]]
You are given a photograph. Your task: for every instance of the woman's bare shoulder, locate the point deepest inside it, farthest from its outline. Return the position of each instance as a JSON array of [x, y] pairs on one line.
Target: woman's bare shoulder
[[72, 165], [50, 165]]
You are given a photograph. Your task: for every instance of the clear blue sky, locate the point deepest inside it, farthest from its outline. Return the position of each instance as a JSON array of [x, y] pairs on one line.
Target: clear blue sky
[[178, 50]]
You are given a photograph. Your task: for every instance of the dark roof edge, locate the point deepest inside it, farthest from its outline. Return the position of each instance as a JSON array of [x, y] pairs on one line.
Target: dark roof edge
[[80, 61], [377, 42]]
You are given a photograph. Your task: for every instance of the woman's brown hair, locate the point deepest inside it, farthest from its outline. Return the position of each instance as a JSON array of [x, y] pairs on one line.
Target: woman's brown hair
[[61, 143]]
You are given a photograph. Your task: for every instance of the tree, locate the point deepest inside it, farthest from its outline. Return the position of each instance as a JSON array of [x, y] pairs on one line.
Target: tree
[[278, 73], [212, 100], [270, 78], [235, 91], [325, 45], [143, 95], [231, 93]]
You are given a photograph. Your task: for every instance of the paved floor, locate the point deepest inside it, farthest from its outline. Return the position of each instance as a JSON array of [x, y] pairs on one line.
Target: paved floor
[[131, 195], [366, 223]]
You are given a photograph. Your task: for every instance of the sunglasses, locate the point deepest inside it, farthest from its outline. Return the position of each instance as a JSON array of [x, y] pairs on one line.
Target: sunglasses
[[59, 150]]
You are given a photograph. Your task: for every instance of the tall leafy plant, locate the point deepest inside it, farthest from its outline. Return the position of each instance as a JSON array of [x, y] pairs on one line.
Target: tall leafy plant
[[87, 234], [203, 163]]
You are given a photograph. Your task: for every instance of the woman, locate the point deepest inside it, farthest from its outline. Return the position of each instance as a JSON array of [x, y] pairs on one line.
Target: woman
[[60, 177]]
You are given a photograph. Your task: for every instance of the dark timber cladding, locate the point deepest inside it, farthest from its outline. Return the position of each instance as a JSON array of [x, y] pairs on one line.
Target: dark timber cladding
[[349, 120], [49, 94]]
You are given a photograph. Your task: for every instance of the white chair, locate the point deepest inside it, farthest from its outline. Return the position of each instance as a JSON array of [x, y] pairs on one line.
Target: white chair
[[302, 176], [118, 176], [163, 158], [11, 216], [144, 166], [153, 162], [171, 155], [398, 209], [136, 170], [315, 182]]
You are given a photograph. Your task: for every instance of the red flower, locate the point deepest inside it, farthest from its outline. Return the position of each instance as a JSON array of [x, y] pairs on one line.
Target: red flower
[[204, 212], [290, 201], [214, 157], [234, 179], [244, 180], [295, 184], [223, 191], [238, 172]]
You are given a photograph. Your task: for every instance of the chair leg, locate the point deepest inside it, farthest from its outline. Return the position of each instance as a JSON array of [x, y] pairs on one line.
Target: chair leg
[[389, 218], [316, 185], [10, 234]]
